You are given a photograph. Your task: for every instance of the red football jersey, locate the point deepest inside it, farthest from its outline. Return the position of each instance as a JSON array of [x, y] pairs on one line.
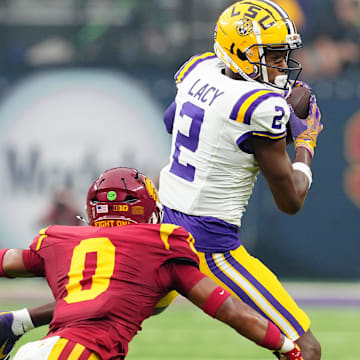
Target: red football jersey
[[106, 280]]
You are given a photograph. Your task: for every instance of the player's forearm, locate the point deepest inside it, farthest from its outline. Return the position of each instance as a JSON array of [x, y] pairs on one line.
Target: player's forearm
[[253, 326], [302, 171], [42, 315], [11, 263], [218, 303], [244, 320]]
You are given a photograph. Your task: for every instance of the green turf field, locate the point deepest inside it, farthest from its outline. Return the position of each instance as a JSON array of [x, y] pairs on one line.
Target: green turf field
[[183, 332]]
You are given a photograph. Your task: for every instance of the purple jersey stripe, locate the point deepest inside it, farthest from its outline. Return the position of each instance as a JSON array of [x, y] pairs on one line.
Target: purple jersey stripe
[[267, 295], [169, 117], [256, 103], [182, 73], [241, 141], [230, 284], [237, 106], [269, 135]]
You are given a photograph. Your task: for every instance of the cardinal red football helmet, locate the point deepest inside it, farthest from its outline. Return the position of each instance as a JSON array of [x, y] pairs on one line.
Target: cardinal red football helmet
[[122, 196]]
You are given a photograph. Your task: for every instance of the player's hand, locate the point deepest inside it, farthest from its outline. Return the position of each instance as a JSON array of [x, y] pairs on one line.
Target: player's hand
[[306, 131], [294, 354], [302, 84], [296, 83], [7, 336]]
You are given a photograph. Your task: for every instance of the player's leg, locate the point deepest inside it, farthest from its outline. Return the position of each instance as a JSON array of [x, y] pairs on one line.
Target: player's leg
[[251, 281], [54, 348], [309, 344]]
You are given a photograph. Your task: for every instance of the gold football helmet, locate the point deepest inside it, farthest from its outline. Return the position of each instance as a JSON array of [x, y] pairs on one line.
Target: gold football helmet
[[246, 30]]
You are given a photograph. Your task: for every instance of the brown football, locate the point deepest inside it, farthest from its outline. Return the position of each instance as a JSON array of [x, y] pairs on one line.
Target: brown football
[[299, 99]]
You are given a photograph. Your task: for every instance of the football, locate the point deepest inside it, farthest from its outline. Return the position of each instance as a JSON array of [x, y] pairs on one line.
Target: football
[[299, 99]]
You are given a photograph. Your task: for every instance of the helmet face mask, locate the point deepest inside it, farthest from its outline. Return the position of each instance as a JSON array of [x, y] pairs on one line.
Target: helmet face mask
[[122, 196], [247, 30], [290, 72]]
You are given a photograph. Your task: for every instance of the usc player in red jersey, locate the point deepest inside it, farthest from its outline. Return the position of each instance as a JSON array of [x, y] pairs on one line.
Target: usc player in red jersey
[[107, 278]]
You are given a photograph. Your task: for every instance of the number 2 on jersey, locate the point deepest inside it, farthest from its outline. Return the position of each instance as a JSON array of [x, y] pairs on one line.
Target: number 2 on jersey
[[191, 142]]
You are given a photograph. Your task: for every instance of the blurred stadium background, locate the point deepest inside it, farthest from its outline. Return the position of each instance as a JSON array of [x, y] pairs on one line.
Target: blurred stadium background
[[83, 84]]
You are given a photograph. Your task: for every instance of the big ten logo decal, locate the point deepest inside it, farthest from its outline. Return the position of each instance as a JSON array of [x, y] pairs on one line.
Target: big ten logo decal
[[352, 154], [121, 207]]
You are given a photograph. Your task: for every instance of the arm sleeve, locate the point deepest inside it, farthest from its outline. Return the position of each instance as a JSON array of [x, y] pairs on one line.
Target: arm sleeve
[[33, 263], [180, 277]]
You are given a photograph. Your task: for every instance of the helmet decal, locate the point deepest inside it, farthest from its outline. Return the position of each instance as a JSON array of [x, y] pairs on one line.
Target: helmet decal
[[138, 210], [244, 27], [111, 195], [102, 209]]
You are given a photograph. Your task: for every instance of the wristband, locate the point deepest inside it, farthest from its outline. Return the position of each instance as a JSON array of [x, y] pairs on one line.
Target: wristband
[[22, 322], [306, 146], [272, 337], [305, 169], [2, 254], [214, 301]]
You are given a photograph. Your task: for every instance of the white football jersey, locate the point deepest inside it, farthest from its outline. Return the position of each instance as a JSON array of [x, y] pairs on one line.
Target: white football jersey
[[211, 172]]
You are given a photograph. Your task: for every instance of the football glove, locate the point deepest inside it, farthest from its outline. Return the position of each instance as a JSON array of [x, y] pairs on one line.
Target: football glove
[[294, 354], [306, 131], [7, 336], [302, 84], [296, 84]]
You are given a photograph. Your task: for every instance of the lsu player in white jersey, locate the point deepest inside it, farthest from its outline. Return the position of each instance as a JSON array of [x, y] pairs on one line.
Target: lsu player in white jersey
[[228, 122]]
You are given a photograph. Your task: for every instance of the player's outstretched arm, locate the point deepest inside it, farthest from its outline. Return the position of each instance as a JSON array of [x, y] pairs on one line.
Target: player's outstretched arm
[[219, 304]]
